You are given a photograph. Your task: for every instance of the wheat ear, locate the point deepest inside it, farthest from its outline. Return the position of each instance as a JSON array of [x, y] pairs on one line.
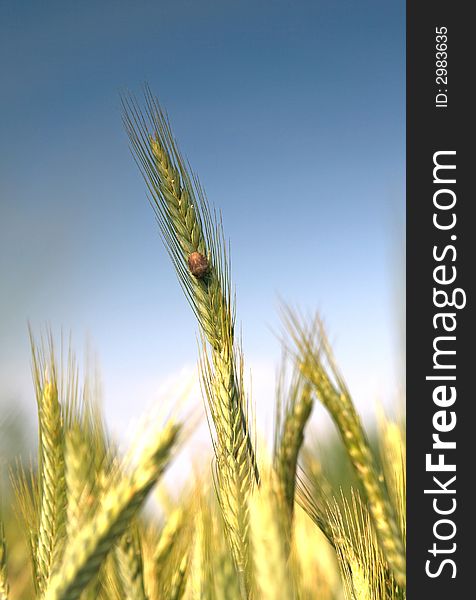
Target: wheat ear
[[312, 350], [80, 475], [364, 571], [294, 407], [81, 491], [85, 553], [168, 537], [194, 240], [52, 478], [189, 229]]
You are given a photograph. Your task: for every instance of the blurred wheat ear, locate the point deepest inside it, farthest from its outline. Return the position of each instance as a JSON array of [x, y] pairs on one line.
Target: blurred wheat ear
[[79, 505], [314, 358]]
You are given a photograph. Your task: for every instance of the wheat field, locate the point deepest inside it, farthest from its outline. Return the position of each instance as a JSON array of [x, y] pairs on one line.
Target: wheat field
[[268, 524]]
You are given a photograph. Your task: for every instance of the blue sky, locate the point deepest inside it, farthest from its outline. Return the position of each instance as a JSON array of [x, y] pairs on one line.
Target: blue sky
[[293, 115]]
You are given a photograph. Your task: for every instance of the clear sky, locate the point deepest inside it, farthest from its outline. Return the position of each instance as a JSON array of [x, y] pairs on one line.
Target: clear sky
[[292, 113]]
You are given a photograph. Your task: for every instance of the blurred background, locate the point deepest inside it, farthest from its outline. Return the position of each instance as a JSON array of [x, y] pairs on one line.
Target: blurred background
[[291, 112]]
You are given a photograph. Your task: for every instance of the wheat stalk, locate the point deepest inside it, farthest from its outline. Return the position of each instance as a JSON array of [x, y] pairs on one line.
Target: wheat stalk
[[225, 584], [3, 565], [270, 568]]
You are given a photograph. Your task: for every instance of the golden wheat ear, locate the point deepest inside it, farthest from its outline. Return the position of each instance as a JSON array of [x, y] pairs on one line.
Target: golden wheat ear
[[51, 468], [315, 360], [84, 554]]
